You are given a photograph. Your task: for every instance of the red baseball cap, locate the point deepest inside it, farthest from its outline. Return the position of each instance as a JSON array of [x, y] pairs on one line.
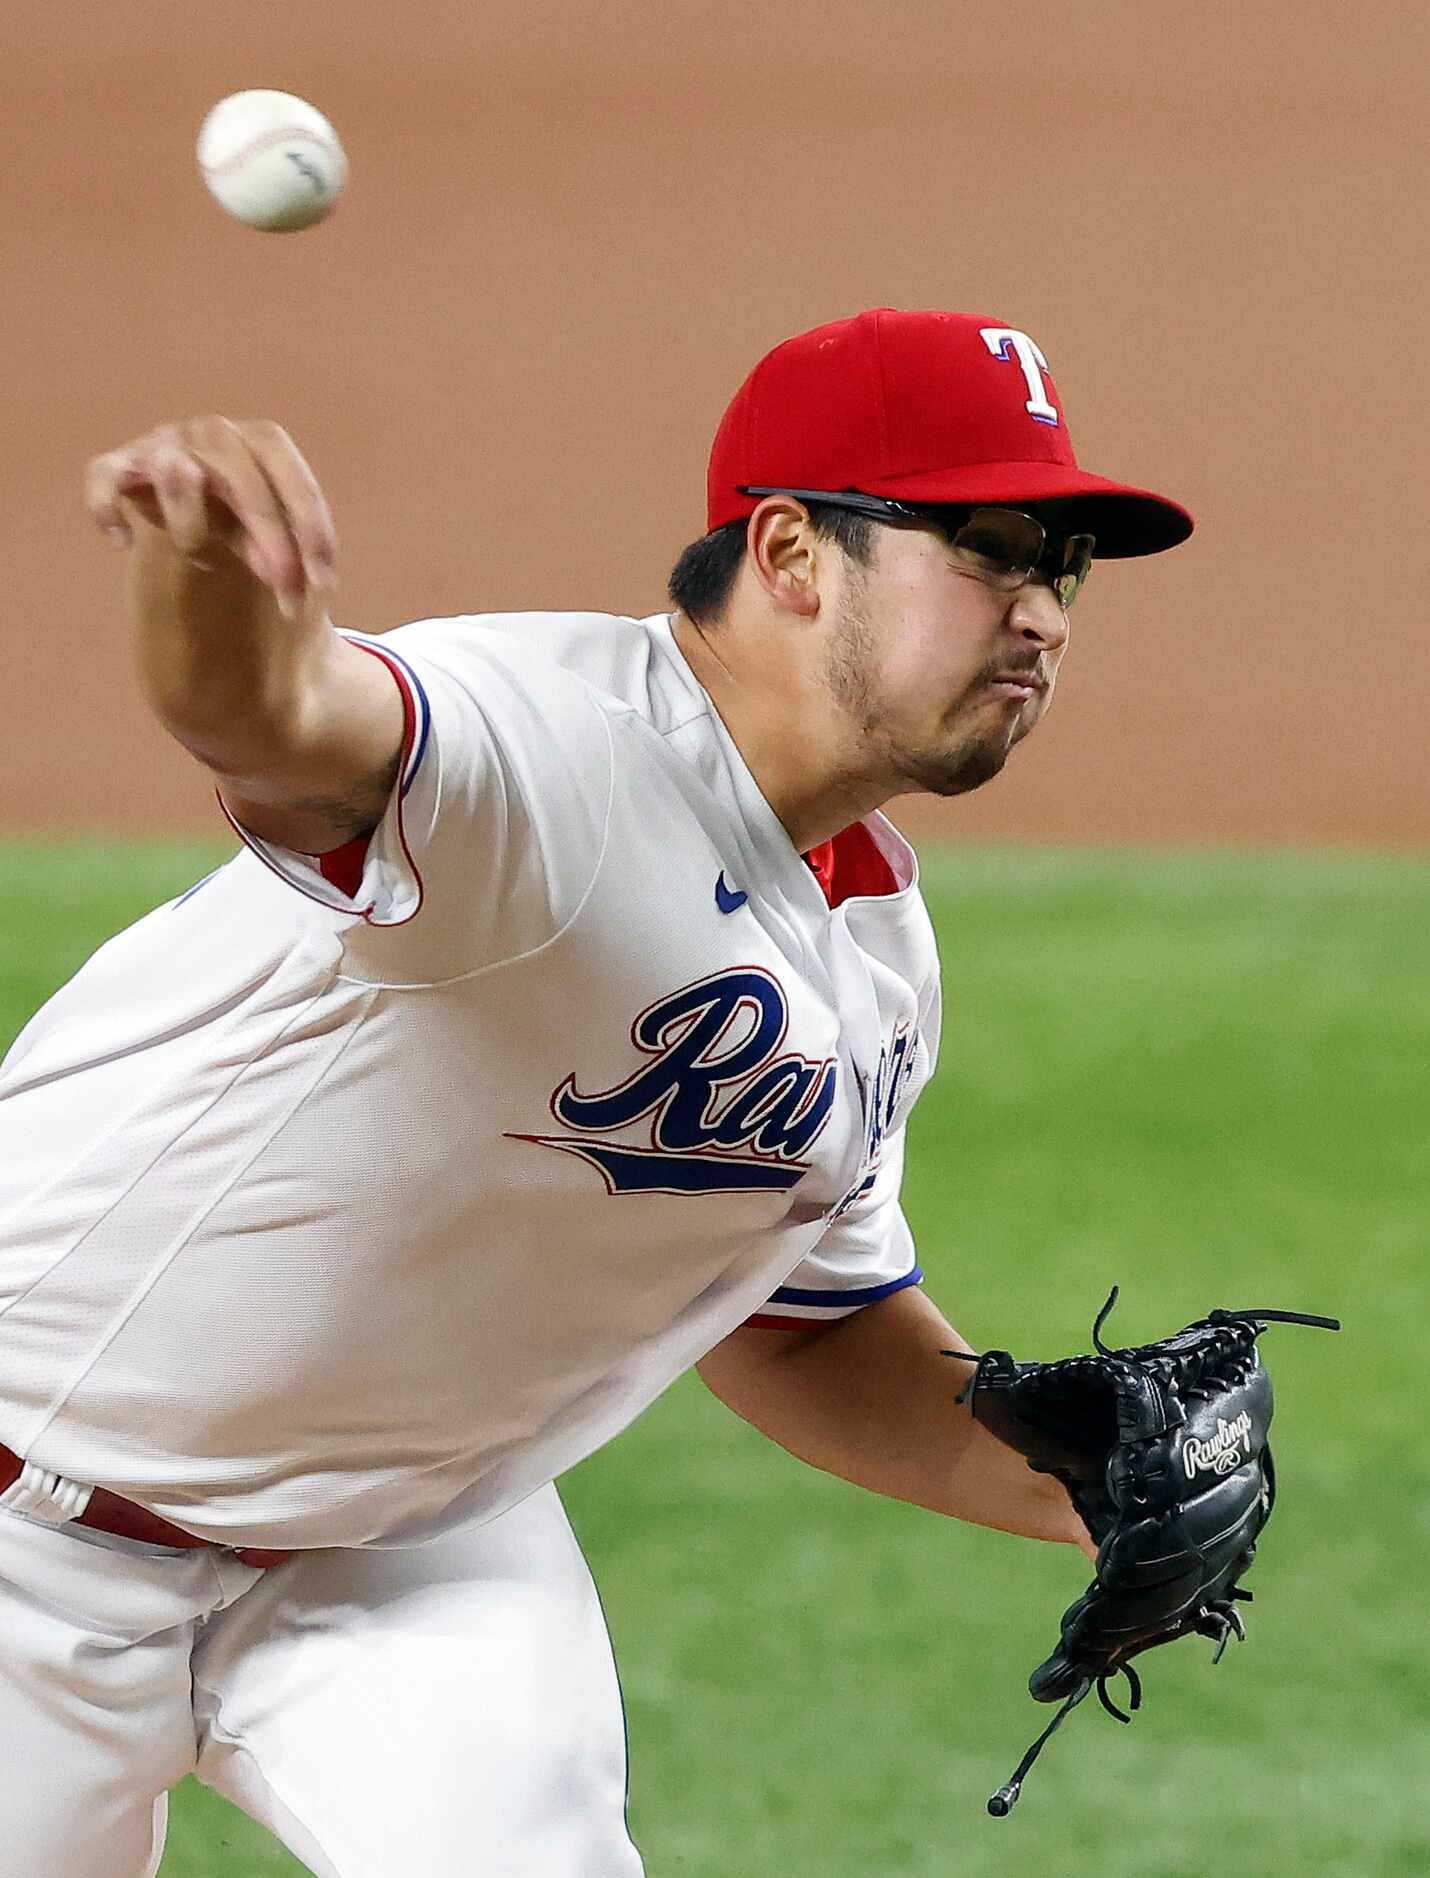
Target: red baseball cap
[[928, 407]]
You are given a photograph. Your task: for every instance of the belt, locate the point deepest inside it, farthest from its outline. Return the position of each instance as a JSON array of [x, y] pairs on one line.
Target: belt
[[106, 1512]]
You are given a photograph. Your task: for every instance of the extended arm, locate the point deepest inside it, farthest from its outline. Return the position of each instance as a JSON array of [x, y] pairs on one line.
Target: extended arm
[[232, 564], [870, 1398]]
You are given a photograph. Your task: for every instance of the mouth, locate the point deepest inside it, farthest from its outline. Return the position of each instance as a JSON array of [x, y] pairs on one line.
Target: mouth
[[1019, 685]]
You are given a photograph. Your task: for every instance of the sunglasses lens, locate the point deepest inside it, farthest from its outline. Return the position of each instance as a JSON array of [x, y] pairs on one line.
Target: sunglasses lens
[[1003, 545], [1071, 560]]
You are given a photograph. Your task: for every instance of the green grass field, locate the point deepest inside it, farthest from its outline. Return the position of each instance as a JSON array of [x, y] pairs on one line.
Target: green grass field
[[1204, 1077]]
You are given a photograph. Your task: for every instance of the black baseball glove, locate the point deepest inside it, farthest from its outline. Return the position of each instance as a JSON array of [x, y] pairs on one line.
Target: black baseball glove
[[1163, 1451]]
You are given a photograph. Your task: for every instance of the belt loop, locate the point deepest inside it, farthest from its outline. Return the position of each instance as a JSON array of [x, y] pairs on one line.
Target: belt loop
[[46, 1497]]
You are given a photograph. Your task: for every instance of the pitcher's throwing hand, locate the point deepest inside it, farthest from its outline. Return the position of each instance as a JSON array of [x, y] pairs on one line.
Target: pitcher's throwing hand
[[213, 484]]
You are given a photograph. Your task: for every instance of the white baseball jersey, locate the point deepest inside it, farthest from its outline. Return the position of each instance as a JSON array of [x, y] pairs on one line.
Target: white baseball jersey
[[344, 1218]]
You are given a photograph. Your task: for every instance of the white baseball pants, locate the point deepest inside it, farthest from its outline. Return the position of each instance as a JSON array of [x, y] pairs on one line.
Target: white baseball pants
[[448, 1709]]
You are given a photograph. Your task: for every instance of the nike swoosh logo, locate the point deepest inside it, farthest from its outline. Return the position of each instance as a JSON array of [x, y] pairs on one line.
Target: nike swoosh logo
[[728, 899]]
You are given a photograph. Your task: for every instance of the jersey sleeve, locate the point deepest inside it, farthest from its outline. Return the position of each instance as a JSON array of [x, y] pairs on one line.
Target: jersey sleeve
[[495, 829], [865, 1255]]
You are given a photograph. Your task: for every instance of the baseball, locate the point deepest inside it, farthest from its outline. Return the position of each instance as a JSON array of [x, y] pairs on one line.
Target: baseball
[[271, 160]]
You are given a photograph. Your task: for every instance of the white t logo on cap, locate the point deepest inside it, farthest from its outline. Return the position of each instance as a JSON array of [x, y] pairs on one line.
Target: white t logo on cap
[[1002, 341]]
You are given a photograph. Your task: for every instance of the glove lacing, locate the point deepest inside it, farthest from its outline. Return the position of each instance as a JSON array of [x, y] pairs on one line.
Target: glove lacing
[[1003, 1801]]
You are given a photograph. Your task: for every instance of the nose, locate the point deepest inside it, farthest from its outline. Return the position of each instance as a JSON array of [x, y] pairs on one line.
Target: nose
[[1037, 617]]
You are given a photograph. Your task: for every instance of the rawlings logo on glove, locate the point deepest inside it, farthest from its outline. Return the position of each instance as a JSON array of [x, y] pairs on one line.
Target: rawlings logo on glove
[[1163, 1451], [1222, 1454]]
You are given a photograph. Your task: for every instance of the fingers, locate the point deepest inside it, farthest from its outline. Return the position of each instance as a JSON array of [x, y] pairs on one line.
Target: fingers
[[236, 482], [106, 479], [299, 499], [214, 483], [178, 488]]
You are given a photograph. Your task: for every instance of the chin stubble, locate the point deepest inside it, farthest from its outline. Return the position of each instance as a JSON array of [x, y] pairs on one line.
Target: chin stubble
[[953, 772]]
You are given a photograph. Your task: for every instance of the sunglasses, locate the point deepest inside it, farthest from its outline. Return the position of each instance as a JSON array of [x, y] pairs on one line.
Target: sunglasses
[[1003, 547]]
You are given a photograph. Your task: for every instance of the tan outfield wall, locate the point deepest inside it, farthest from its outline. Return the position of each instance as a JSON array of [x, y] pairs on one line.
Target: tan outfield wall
[[572, 228]]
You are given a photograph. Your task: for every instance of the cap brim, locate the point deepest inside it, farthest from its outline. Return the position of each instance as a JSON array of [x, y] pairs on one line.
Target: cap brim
[[1126, 521]]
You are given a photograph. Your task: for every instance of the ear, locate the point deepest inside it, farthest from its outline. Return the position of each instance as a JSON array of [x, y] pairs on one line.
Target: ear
[[782, 551]]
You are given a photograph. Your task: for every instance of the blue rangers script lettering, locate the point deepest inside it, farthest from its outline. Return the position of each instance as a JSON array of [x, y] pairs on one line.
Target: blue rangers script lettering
[[724, 1112]]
